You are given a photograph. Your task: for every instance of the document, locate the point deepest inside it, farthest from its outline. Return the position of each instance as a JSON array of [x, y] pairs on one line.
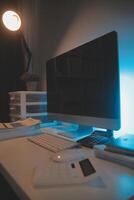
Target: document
[[24, 127]]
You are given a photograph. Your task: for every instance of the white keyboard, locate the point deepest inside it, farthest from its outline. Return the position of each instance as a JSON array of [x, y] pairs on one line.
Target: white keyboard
[[52, 142]]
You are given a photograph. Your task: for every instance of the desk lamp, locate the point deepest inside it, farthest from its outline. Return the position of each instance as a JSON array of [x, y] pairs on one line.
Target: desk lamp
[[12, 22]]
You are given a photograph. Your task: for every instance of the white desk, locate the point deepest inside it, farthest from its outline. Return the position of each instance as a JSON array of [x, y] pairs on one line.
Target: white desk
[[19, 157]]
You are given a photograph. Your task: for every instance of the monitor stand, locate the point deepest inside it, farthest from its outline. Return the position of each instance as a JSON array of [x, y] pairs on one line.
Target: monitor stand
[[73, 130], [77, 131], [107, 133], [82, 131]]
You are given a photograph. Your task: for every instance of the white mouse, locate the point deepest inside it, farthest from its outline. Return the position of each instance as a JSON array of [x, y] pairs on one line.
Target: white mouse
[[68, 155]]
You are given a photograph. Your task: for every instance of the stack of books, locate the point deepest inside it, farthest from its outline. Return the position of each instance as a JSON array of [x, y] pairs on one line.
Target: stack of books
[[19, 128], [120, 150]]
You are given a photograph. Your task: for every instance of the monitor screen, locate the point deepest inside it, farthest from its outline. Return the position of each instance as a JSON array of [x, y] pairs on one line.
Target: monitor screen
[[83, 84]]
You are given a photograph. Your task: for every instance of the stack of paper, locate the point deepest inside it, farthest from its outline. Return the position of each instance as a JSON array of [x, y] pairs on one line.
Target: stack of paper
[[19, 128]]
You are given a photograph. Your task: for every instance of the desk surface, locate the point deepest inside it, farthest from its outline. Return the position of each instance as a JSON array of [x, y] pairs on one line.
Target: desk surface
[[19, 157]]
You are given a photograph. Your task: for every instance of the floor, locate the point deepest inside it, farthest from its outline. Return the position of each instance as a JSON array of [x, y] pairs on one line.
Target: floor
[[6, 191]]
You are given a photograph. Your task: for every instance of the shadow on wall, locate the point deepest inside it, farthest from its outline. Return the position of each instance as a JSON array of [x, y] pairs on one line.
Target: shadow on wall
[[52, 27]]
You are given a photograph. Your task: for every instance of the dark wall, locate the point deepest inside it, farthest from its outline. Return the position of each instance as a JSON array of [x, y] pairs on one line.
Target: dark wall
[[11, 63]]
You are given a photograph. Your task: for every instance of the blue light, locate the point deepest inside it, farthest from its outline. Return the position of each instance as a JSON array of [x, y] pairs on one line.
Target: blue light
[[126, 63], [127, 103]]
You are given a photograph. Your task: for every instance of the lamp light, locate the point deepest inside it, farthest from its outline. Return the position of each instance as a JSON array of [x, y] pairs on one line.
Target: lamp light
[[11, 20]]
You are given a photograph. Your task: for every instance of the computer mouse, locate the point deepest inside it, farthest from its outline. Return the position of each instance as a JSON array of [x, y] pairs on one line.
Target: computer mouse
[[69, 155]]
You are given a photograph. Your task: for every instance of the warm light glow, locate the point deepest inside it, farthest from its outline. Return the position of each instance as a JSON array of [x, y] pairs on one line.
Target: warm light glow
[[59, 157], [11, 20]]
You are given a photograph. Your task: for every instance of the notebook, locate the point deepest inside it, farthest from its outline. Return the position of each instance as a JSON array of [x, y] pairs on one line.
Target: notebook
[[124, 160], [122, 145]]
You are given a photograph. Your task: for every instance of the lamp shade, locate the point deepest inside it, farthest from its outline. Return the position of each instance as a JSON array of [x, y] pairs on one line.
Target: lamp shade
[[11, 20]]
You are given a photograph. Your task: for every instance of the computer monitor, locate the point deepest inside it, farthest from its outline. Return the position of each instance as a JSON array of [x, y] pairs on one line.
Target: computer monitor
[[83, 84]]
